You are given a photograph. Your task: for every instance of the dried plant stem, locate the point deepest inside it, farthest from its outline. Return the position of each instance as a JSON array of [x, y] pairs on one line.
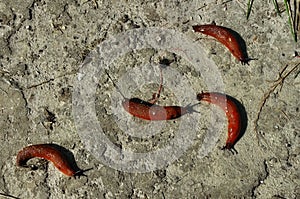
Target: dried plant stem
[[8, 196], [264, 99]]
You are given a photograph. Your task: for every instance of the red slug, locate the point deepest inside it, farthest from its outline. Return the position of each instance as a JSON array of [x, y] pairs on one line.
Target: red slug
[[231, 39], [52, 152], [148, 111], [232, 111]]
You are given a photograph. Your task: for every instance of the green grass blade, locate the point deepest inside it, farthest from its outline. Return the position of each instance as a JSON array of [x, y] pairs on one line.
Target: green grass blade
[[288, 10], [276, 6], [250, 3]]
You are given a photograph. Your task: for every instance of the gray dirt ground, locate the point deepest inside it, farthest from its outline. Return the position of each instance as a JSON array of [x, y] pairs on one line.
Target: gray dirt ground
[[43, 44]]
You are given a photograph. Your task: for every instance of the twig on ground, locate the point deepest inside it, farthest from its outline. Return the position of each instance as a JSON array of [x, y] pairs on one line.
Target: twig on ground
[[277, 82]]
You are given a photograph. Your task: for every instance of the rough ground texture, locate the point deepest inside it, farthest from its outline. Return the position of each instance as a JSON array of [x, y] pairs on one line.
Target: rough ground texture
[[43, 44]]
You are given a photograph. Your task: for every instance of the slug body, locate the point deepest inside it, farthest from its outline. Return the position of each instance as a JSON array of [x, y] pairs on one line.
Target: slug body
[[148, 111], [231, 39], [52, 152], [232, 112]]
